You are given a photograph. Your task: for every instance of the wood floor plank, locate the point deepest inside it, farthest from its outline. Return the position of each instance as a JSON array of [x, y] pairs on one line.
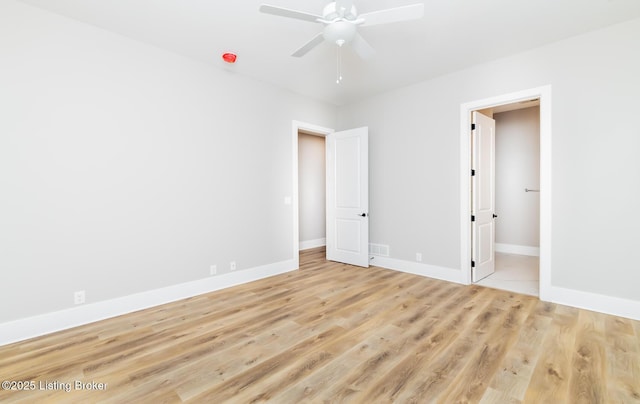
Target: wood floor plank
[[413, 372], [492, 396], [589, 378], [623, 359], [304, 350], [514, 373], [317, 383], [331, 333], [466, 354], [295, 371], [212, 372], [481, 367], [427, 337], [550, 380]]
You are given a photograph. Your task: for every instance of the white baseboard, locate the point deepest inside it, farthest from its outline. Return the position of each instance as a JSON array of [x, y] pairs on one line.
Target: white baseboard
[[593, 301], [35, 326], [570, 297], [418, 268], [517, 249], [307, 244]]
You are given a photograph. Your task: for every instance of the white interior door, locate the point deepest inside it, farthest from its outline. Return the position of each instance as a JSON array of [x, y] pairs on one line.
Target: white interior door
[[348, 196], [482, 196]]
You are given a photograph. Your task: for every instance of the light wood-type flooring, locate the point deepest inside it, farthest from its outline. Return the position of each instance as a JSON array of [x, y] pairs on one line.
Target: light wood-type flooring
[[336, 333]]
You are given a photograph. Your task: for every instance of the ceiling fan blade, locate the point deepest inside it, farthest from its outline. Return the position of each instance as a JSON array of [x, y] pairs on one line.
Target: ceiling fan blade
[[404, 13], [317, 40], [362, 47], [285, 12]]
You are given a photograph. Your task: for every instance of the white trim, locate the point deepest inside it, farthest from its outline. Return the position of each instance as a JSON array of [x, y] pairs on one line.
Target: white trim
[[544, 94], [417, 268], [35, 326], [584, 300], [595, 302], [296, 126], [517, 249], [307, 244]]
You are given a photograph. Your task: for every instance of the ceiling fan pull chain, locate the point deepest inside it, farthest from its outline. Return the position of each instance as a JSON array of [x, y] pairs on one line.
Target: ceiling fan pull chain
[[339, 65], [340, 53]]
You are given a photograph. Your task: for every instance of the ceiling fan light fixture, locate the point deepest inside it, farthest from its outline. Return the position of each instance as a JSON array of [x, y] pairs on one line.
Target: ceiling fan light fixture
[[339, 32]]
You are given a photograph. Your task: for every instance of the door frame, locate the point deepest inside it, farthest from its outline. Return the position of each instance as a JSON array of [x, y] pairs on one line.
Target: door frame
[[317, 130], [542, 93]]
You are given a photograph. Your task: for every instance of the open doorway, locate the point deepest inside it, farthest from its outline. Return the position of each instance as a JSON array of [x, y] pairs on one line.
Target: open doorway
[[516, 195], [311, 190], [543, 96], [301, 129]]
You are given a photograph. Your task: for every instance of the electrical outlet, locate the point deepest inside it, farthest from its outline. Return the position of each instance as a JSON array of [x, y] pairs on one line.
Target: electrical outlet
[[78, 297], [213, 269], [232, 265], [419, 257]]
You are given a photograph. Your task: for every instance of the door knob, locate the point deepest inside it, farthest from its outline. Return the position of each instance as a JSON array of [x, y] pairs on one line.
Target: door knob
[[494, 215], [363, 214]]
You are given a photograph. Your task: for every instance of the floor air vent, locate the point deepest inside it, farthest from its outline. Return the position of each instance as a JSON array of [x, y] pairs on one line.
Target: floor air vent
[[381, 250]]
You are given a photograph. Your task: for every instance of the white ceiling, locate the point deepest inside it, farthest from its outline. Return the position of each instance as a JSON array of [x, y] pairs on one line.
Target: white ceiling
[[454, 34]]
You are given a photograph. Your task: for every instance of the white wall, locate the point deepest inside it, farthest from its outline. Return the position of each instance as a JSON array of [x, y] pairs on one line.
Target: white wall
[[517, 168], [414, 154], [311, 190], [125, 168]]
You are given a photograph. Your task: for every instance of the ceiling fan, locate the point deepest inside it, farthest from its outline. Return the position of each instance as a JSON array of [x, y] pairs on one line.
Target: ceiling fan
[[341, 21]]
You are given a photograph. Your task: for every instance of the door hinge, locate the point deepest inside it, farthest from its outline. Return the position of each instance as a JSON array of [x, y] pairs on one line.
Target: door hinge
[[473, 264], [473, 218], [473, 172], [473, 126]]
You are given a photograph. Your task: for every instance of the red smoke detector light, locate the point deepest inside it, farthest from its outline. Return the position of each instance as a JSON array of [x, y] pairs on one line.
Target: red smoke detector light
[[229, 57]]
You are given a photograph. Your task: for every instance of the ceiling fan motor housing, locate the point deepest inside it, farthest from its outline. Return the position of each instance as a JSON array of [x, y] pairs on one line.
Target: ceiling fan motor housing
[[330, 13]]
